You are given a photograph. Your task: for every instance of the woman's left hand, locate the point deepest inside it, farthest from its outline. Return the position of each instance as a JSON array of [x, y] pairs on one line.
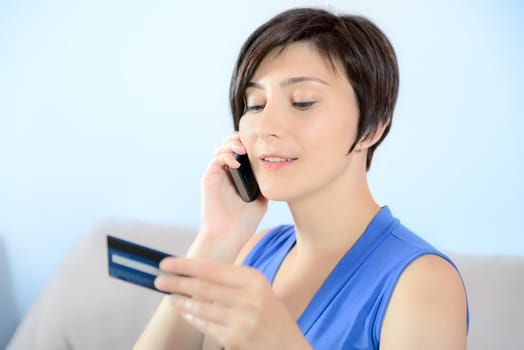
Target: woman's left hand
[[233, 304]]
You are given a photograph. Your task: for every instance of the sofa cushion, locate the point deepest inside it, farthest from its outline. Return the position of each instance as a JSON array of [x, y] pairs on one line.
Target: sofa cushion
[[81, 307]]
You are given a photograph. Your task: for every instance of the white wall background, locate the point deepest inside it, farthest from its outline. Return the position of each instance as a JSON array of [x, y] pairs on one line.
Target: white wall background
[[111, 110]]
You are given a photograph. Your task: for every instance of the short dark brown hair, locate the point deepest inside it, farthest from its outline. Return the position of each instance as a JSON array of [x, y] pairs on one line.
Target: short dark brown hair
[[354, 42]]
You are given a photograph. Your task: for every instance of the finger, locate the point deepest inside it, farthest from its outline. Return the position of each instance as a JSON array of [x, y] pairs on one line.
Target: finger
[[232, 143], [230, 160], [213, 271], [204, 310], [229, 329], [198, 289], [234, 136], [221, 162], [214, 330], [230, 147]]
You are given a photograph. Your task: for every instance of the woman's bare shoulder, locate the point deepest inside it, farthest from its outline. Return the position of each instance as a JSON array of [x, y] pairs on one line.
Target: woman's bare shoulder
[[427, 309], [249, 245]]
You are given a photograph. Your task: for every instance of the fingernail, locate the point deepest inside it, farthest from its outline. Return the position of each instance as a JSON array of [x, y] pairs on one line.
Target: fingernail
[[164, 262], [235, 164], [158, 282]]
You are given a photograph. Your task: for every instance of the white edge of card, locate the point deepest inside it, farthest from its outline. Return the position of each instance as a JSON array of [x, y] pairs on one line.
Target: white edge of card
[[136, 265]]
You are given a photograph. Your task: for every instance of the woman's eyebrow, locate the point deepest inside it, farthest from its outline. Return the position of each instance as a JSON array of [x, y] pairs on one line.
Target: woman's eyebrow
[[255, 85], [287, 82], [295, 80]]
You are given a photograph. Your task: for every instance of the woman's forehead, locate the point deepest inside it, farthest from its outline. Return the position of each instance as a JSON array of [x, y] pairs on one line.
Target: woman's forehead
[[299, 58]]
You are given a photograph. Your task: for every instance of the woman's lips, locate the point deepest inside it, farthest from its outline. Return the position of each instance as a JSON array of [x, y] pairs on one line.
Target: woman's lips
[[276, 161]]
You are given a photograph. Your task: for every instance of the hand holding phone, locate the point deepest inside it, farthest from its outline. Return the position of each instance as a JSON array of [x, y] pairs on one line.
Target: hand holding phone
[[244, 179]]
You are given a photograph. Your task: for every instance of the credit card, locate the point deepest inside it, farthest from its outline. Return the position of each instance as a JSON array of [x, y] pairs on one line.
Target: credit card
[[133, 262]]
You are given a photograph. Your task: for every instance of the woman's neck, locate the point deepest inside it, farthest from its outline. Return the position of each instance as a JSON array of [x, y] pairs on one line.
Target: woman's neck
[[331, 220]]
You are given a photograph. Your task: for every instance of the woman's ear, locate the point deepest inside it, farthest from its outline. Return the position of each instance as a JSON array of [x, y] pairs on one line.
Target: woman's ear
[[371, 138]]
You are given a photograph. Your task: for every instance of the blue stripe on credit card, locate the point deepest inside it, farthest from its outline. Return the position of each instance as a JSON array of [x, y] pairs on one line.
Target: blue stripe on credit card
[[132, 262]]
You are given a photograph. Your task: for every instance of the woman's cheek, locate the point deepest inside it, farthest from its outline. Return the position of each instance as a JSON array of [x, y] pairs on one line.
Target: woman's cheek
[[246, 130]]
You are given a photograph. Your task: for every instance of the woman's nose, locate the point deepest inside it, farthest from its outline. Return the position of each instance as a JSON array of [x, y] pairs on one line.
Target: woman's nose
[[270, 121]]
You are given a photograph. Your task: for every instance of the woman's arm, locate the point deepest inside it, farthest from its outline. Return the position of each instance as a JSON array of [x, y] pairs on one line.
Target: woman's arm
[[234, 305], [427, 309], [227, 223], [167, 329]]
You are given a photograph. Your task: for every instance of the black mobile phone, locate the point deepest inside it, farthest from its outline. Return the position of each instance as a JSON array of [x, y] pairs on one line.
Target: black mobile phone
[[244, 179]]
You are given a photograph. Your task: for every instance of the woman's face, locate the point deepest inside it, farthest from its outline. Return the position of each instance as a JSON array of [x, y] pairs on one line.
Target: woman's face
[[300, 123]]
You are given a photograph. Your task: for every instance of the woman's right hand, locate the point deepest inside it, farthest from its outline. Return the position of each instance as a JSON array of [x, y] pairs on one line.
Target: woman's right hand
[[227, 222]]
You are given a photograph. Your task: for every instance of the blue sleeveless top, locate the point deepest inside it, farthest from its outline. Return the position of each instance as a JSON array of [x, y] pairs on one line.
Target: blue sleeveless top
[[348, 309]]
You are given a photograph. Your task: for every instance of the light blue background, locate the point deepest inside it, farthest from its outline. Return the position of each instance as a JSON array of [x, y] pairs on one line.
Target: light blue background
[[112, 109]]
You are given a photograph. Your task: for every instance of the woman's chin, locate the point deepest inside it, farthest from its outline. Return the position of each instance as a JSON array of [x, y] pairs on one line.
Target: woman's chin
[[277, 194]]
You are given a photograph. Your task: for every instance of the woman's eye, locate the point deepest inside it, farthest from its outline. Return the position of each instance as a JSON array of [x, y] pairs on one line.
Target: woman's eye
[[303, 105], [254, 108]]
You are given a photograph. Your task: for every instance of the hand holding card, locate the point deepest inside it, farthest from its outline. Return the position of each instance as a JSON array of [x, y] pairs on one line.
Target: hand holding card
[[134, 263]]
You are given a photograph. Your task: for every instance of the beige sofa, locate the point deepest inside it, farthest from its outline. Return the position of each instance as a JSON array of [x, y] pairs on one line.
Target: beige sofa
[[82, 308]]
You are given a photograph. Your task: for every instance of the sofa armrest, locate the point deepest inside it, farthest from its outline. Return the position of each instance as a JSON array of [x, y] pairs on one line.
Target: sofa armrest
[[81, 307]]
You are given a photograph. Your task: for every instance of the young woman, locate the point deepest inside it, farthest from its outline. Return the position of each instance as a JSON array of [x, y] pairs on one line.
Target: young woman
[[312, 97]]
